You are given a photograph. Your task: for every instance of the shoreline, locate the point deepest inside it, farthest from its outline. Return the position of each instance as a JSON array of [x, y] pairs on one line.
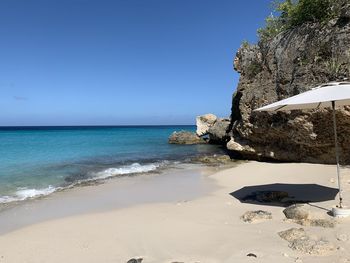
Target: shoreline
[[115, 192], [206, 228]]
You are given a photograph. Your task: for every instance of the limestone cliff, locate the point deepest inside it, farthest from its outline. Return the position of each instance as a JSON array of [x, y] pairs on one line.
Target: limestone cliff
[[293, 62]]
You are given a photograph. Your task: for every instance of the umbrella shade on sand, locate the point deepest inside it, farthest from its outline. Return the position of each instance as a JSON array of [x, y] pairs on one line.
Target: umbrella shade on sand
[[331, 95], [284, 194]]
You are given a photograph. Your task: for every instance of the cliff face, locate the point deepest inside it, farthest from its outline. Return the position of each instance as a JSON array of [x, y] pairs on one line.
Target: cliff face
[[291, 63]]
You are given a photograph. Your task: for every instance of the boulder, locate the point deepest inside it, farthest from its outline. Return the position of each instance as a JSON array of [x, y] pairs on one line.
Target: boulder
[[256, 216], [204, 122], [218, 132], [303, 215], [297, 212], [185, 137]]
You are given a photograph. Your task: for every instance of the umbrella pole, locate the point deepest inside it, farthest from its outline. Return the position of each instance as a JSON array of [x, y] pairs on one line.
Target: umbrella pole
[[337, 155]]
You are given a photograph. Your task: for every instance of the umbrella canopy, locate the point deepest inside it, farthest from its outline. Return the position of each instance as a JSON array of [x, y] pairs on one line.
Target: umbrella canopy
[[327, 95], [319, 97]]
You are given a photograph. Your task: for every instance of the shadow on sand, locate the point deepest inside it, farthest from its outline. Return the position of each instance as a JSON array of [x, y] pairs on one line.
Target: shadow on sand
[[284, 194]]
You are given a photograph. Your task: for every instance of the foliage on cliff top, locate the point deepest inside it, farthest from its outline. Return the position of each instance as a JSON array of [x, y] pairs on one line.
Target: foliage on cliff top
[[294, 13]]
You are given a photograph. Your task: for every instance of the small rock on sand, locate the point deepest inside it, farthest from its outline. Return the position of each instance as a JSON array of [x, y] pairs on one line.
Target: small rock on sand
[[292, 234], [135, 260], [256, 216], [300, 241], [301, 214], [252, 255], [297, 212]]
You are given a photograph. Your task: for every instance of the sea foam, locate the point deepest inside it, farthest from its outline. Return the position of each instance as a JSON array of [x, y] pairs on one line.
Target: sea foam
[[127, 169], [30, 193], [25, 193]]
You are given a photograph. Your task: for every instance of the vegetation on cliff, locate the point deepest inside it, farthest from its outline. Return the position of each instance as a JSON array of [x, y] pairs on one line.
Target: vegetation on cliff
[[295, 13]]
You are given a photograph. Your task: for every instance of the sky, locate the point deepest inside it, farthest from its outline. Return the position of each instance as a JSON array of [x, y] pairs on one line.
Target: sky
[[121, 62]]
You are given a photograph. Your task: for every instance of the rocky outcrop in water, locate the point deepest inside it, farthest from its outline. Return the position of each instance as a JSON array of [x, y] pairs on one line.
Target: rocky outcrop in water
[[185, 137], [204, 123], [293, 62], [216, 128]]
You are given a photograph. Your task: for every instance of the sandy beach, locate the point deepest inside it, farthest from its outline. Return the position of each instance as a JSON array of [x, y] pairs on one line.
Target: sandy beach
[[205, 227]]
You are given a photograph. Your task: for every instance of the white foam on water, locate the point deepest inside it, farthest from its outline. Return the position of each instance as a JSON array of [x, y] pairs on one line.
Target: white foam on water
[[25, 193], [128, 169]]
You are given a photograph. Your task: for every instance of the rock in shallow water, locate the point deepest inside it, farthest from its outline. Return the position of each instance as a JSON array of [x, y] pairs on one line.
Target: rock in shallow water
[[185, 137], [204, 122], [213, 159]]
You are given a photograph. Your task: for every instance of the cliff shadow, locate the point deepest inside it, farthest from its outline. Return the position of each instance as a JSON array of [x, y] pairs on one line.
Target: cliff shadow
[[283, 195]]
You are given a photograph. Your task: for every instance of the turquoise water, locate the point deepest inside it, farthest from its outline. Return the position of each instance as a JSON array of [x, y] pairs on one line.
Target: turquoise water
[[37, 161]]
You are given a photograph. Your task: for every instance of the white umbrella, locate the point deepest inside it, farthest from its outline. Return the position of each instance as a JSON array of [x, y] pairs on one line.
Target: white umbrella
[[328, 95]]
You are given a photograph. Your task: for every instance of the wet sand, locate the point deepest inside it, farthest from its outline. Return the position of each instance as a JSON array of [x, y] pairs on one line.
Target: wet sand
[[185, 182]]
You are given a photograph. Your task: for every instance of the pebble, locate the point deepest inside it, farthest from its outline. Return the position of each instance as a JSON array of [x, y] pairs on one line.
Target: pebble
[[332, 180], [298, 260], [252, 255], [135, 260], [285, 255], [340, 248]]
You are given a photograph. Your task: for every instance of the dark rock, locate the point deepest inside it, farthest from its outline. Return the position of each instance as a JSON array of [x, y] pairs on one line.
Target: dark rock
[[293, 62], [185, 137], [256, 216], [218, 132], [135, 260], [252, 255]]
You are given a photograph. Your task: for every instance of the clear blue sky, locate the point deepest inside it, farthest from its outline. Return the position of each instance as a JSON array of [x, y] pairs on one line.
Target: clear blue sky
[[76, 62]]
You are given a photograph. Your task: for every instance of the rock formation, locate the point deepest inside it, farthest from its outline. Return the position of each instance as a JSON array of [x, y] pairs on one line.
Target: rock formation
[[204, 122], [291, 63], [185, 137], [216, 128]]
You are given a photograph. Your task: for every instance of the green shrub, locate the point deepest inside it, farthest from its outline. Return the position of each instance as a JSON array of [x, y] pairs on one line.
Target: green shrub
[[297, 12]]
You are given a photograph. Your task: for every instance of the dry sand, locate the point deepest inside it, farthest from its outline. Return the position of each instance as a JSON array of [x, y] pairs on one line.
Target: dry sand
[[199, 229]]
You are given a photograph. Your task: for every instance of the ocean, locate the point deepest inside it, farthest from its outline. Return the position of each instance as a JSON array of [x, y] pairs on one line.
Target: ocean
[[37, 161]]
